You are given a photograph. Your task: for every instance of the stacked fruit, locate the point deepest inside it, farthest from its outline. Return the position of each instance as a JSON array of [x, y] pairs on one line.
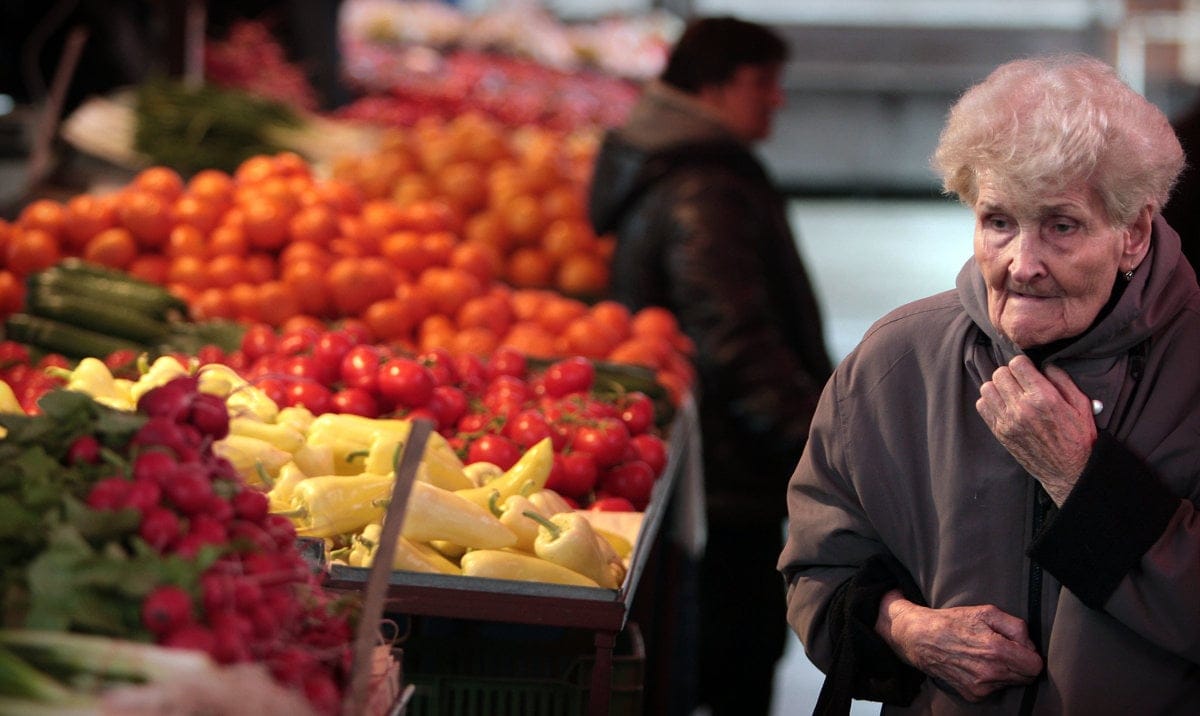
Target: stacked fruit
[[154, 537]]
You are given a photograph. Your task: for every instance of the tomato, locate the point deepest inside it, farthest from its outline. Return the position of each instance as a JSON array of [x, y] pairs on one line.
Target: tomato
[[633, 480], [573, 475], [507, 361], [359, 367], [612, 503], [275, 388], [605, 439], [258, 340], [637, 412], [311, 394], [13, 353], [505, 395], [495, 449], [526, 428], [355, 401], [650, 449], [406, 382], [569, 375], [472, 373], [448, 405], [441, 363], [303, 367]]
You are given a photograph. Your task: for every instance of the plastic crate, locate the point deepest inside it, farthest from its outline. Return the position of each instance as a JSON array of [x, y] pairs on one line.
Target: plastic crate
[[464, 668]]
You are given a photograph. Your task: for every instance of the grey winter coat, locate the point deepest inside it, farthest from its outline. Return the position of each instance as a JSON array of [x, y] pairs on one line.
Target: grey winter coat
[[899, 463]]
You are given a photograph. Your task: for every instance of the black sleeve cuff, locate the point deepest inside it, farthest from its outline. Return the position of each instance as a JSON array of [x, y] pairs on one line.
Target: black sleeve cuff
[[1116, 511], [864, 666]]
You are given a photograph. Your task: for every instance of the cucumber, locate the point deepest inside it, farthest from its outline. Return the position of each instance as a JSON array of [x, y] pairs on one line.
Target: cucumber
[[109, 318], [69, 340], [97, 283]]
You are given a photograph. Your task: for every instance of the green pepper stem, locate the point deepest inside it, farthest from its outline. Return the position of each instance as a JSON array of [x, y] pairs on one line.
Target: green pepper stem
[[494, 503], [357, 455], [263, 475], [554, 530]]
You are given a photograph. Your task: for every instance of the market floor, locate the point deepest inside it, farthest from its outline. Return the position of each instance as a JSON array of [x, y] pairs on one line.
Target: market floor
[[867, 257]]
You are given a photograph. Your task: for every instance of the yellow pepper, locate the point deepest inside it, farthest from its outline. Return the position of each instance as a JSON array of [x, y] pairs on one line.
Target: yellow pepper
[[482, 472], [549, 502], [242, 398], [249, 455], [8, 400], [439, 465], [437, 514], [92, 376], [280, 495], [449, 550], [297, 416], [512, 515], [350, 437], [314, 459], [162, 371], [568, 540], [281, 435], [502, 564], [526, 476], [331, 505], [409, 555], [619, 545]]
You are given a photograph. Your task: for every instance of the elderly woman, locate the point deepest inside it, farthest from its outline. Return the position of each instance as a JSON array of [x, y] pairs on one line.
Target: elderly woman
[[996, 509]]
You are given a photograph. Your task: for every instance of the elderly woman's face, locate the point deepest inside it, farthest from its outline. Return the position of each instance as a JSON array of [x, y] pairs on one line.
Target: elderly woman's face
[[1049, 267]]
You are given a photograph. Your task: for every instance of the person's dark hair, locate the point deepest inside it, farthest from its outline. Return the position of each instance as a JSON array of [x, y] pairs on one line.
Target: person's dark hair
[[711, 49]]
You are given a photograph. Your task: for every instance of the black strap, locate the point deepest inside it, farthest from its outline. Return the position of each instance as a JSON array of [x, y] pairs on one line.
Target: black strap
[[864, 666]]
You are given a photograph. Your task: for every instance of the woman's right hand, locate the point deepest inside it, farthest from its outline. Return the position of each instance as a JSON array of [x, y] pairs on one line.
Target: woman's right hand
[[975, 650]]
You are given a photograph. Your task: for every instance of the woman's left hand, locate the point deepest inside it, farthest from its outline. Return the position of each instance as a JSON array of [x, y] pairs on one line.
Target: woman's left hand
[[1044, 421]]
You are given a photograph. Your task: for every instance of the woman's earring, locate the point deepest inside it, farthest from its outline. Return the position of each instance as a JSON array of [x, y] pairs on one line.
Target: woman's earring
[[1128, 275]]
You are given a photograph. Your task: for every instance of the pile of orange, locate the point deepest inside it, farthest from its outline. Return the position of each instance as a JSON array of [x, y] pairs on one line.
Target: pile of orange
[[520, 193], [273, 243]]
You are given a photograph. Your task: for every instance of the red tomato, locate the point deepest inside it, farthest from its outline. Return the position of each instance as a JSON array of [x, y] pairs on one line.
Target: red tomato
[[506, 360], [526, 428], [327, 352], [574, 474], [633, 480], [258, 340], [637, 412], [405, 382], [355, 401], [605, 439], [311, 394], [303, 367], [440, 362], [448, 405], [569, 375], [472, 373], [612, 503], [275, 388], [360, 367], [495, 449], [651, 450]]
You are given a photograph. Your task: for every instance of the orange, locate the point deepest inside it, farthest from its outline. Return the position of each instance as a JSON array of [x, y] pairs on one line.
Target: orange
[[212, 303], [564, 237], [12, 293], [529, 268], [523, 218], [317, 224], [487, 227], [474, 341], [564, 202], [277, 302], [160, 180], [211, 185], [254, 169], [355, 283], [304, 251], [43, 214], [527, 303], [86, 216], [227, 239], [260, 267], [406, 251], [582, 275], [391, 319], [449, 288], [266, 223], [612, 313], [226, 270], [487, 311], [531, 339], [380, 217], [440, 245], [190, 271], [413, 188], [31, 250], [340, 196], [433, 215], [114, 248], [463, 183], [650, 351], [587, 337], [654, 321], [558, 312], [197, 212], [482, 260], [244, 297], [147, 215], [308, 278], [149, 267], [185, 240], [436, 331]]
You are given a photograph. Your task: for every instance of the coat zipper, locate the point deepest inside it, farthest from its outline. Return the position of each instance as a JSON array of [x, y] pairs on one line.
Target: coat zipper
[[1034, 598]]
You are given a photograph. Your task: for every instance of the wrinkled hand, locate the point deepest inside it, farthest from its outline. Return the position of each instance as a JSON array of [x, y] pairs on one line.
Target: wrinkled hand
[[975, 650], [1044, 421]]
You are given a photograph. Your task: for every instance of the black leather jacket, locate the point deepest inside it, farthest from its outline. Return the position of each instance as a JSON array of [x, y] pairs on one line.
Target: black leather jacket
[[701, 231]]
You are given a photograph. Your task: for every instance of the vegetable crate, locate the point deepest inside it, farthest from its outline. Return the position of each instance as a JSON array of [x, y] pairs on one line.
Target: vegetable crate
[[464, 668]]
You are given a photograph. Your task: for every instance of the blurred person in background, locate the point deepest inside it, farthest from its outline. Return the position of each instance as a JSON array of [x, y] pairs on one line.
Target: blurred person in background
[[702, 231], [1182, 212], [996, 509]]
